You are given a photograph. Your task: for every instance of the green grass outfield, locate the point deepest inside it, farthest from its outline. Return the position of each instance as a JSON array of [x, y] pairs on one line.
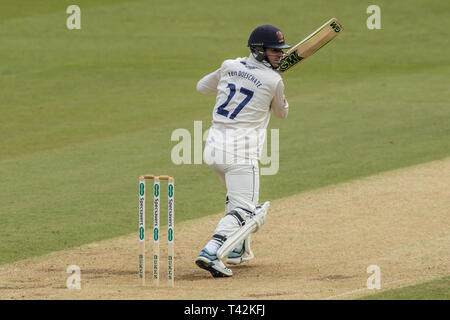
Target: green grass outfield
[[83, 113], [433, 290]]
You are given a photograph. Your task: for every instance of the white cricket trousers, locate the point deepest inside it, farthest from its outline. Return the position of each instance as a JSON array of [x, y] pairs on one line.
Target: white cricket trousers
[[241, 178]]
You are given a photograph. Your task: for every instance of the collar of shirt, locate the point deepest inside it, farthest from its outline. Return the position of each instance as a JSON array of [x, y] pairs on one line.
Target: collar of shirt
[[251, 60]]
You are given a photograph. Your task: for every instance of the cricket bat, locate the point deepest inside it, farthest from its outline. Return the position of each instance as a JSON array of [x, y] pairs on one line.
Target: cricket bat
[[310, 44]]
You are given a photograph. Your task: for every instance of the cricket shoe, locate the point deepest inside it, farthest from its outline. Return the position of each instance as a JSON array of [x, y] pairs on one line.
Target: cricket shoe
[[209, 262], [240, 254]]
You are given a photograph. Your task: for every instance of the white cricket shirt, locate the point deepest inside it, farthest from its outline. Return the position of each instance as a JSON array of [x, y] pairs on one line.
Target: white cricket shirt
[[247, 90]]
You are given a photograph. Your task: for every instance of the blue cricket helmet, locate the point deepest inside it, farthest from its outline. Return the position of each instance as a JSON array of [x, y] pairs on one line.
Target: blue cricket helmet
[[267, 36]]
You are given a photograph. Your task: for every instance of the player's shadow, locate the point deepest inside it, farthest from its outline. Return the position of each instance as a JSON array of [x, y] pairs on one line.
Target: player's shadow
[[199, 274]]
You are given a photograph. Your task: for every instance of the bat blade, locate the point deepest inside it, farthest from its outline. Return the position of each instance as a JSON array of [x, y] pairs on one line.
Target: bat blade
[[316, 40]]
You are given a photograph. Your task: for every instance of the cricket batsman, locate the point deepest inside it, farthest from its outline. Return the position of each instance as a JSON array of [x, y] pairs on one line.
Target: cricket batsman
[[247, 91]]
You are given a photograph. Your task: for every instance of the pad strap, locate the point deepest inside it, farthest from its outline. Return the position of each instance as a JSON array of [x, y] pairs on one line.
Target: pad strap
[[238, 217], [219, 238]]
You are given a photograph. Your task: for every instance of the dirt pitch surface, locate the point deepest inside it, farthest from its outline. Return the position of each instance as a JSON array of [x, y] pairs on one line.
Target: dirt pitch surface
[[314, 245]]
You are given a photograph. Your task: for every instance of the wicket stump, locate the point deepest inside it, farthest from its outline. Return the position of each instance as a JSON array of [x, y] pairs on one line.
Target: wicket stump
[[156, 216]]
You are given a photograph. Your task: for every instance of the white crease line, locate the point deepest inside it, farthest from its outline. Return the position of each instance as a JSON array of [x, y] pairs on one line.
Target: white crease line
[[353, 291]]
